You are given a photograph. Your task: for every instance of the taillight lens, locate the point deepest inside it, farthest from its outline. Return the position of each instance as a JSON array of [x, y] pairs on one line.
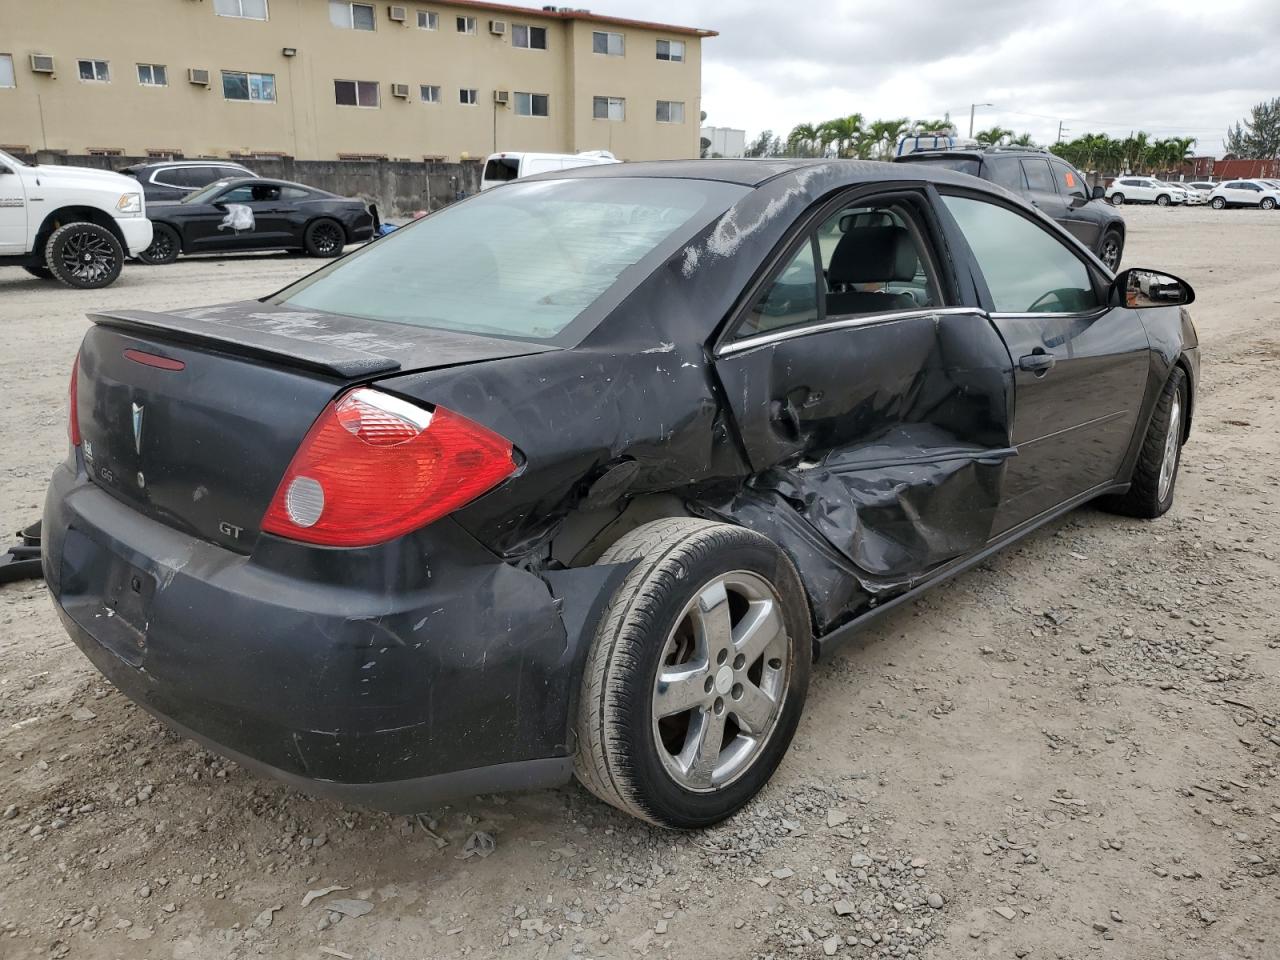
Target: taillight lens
[[73, 418], [374, 467]]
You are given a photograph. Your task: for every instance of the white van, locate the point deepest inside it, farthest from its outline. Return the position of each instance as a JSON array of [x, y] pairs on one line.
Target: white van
[[502, 168]]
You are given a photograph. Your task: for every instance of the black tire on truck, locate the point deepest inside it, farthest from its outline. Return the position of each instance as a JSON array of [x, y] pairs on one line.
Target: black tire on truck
[[84, 255]]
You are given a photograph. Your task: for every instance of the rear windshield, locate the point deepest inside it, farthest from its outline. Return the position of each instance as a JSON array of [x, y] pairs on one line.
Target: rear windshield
[[502, 169], [525, 261], [962, 164]]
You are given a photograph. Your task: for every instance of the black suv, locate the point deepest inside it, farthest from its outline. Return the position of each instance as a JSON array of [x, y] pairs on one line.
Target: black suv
[[1048, 183], [171, 180]]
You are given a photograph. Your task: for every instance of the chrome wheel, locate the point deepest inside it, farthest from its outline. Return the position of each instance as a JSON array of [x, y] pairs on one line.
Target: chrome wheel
[[721, 682], [1111, 253], [88, 258], [1170, 462]]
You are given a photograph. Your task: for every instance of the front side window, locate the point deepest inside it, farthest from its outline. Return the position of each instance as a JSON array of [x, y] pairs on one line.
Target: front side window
[[791, 300], [244, 9], [610, 44], [1039, 176], [672, 50], [430, 93], [351, 16], [532, 104], [428, 20], [1027, 269], [670, 111], [466, 24], [152, 75], [254, 87], [355, 93], [1070, 182], [524, 261], [609, 108], [96, 70], [6, 70], [251, 193], [467, 96], [530, 38]]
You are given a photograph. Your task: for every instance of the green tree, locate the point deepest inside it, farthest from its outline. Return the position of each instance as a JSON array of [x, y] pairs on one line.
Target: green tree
[[765, 145], [882, 136], [1022, 140], [993, 137], [843, 133], [804, 141], [1257, 137]]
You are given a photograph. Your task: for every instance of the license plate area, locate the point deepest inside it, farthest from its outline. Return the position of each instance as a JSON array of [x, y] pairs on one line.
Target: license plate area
[[107, 595]]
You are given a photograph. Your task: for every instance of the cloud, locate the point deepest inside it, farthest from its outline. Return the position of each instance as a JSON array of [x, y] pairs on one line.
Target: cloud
[[1171, 68]]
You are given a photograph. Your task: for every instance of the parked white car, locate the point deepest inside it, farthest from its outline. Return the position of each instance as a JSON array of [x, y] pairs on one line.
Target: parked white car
[[1145, 190], [1245, 193], [502, 168], [68, 223], [1195, 196]]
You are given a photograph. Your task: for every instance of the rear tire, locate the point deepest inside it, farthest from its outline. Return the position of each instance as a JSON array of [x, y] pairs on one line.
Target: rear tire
[[696, 678], [44, 273], [324, 238], [84, 255], [1217, 203], [1111, 249], [165, 245], [1117, 199], [1267, 203], [1156, 474]]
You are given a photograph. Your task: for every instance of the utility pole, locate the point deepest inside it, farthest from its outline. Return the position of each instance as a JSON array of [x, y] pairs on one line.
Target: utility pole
[[972, 108], [1062, 130]]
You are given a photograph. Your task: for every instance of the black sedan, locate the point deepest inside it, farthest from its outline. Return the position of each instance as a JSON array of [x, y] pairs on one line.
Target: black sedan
[[257, 214], [582, 474]]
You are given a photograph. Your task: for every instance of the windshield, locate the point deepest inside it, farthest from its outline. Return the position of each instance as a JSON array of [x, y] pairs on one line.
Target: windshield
[[10, 159], [524, 261], [205, 193]]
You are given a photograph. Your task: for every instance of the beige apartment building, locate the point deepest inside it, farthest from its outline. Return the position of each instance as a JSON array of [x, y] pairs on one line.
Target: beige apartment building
[[331, 79]]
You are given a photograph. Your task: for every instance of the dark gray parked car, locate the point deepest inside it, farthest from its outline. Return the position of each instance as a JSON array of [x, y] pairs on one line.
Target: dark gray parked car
[[174, 179]]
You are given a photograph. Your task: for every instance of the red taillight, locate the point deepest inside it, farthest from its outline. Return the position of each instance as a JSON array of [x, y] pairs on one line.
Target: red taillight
[[154, 360], [374, 467], [73, 419]]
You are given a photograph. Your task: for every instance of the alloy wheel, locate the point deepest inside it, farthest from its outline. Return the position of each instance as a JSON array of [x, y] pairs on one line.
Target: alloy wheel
[[1170, 462], [1111, 254], [721, 682], [326, 238], [161, 248], [88, 257]]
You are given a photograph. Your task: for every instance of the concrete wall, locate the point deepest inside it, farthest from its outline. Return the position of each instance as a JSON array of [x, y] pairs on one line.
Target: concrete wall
[[64, 112], [397, 187]]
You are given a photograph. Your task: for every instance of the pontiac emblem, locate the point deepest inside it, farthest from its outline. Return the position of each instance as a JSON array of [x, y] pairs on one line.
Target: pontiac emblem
[[137, 428]]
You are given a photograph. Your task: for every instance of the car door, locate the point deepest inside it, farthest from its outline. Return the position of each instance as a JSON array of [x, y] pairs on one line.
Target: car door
[[871, 400], [1075, 197], [13, 211], [1041, 190], [1080, 366]]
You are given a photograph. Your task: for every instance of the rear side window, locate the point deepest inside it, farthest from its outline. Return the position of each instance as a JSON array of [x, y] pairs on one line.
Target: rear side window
[[1027, 269], [1007, 172], [1039, 176], [502, 169], [525, 261], [187, 178]]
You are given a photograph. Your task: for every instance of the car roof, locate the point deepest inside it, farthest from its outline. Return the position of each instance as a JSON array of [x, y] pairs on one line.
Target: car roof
[[754, 173]]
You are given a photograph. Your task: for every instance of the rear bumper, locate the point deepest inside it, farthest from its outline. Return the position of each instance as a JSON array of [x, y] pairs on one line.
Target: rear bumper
[[388, 679]]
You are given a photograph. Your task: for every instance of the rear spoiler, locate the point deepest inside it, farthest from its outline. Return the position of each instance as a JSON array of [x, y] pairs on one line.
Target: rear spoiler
[[219, 328]]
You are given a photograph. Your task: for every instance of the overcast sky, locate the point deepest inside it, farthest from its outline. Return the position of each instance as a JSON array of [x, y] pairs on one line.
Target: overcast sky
[[1166, 68]]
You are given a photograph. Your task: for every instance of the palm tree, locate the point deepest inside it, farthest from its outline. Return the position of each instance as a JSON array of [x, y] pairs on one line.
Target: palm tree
[[842, 133], [932, 126], [882, 136], [1022, 140], [803, 140], [996, 135]]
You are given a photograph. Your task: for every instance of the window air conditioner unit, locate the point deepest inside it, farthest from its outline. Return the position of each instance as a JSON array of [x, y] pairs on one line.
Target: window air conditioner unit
[[400, 90], [199, 77], [398, 14], [41, 63], [501, 96], [498, 27]]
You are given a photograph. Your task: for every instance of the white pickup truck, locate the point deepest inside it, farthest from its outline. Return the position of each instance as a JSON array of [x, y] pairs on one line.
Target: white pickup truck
[[70, 223]]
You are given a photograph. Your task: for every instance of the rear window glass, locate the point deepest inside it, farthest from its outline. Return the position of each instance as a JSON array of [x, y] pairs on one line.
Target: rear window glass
[[508, 168], [961, 164], [525, 261]]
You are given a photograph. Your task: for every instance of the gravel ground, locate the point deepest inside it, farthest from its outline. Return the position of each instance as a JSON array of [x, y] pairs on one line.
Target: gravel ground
[[1071, 751]]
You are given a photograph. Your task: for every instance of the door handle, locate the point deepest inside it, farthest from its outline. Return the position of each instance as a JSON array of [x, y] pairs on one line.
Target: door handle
[[1037, 362]]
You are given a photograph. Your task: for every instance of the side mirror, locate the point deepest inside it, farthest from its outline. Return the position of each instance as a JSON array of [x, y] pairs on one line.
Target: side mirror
[[1139, 288], [1099, 191]]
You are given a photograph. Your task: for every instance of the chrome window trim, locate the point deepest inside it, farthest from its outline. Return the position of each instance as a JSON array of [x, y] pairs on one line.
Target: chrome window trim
[[860, 320]]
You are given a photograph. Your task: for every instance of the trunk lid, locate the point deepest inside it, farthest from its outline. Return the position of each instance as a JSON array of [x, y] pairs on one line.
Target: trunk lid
[[192, 417]]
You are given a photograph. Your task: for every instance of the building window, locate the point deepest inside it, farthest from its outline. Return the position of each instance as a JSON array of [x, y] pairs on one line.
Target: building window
[[428, 20], [466, 24], [429, 92], [6, 70], [532, 104], [152, 75], [351, 16], [609, 108], [95, 70], [467, 95], [355, 93], [104, 151], [531, 38], [672, 50], [671, 111], [244, 9], [254, 87], [613, 44]]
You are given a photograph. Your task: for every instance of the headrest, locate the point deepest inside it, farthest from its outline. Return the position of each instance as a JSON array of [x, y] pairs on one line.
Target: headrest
[[873, 255]]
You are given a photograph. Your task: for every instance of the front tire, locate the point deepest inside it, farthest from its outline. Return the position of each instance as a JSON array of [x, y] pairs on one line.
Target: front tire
[[1162, 200], [84, 255], [165, 245], [697, 674], [324, 238], [1267, 203], [1117, 199], [1217, 203], [1150, 494]]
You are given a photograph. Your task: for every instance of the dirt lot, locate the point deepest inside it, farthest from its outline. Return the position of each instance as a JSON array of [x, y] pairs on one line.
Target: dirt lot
[[1071, 751]]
